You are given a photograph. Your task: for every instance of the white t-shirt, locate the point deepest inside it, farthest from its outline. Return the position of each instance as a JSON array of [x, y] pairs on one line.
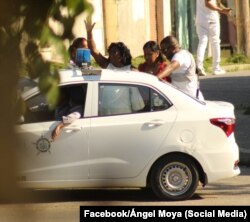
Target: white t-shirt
[[185, 77], [124, 68], [204, 14]]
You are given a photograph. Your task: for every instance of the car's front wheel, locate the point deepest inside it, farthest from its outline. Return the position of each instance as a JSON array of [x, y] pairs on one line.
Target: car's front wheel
[[174, 178]]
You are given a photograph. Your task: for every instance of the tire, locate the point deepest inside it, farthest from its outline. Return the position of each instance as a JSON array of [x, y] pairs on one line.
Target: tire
[[174, 178]]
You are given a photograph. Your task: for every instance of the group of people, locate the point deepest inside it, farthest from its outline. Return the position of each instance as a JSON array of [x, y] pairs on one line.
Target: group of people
[[182, 70]]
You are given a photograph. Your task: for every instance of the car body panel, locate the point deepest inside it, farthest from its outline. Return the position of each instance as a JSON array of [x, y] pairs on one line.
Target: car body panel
[[120, 150], [126, 143], [44, 160]]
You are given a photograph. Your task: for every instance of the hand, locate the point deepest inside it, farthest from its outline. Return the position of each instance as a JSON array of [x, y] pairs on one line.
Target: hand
[[158, 76], [89, 25], [56, 132], [226, 11]]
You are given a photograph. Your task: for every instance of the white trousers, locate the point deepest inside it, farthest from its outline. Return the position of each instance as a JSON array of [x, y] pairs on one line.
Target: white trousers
[[208, 31]]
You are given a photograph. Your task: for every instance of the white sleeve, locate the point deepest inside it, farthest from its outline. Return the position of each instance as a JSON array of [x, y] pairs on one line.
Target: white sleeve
[[178, 57], [71, 118], [74, 115]]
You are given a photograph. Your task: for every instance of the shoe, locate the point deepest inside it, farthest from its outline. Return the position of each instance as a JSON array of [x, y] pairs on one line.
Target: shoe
[[201, 72], [219, 72]]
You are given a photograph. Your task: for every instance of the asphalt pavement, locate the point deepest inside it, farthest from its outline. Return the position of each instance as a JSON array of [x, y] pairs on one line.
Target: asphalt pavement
[[233, 87]]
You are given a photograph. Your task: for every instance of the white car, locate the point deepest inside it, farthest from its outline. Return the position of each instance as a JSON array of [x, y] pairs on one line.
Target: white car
[[137, 131]]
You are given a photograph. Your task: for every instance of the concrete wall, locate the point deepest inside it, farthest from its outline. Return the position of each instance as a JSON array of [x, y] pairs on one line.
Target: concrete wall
[[127, 21], [98, 31], [133, 22]]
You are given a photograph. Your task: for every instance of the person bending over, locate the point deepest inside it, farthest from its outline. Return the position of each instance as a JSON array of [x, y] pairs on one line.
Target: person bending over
[[182, 67]]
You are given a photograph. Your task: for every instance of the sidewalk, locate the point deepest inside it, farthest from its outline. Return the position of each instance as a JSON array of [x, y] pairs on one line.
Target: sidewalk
[[233, 87]]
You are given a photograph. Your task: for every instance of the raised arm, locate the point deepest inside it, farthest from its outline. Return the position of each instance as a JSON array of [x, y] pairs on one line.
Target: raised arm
[[99, 58]]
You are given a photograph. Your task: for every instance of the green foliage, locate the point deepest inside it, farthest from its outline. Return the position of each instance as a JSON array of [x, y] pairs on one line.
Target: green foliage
[[226, 60], [138, 60], [24, 29], [238, 59]]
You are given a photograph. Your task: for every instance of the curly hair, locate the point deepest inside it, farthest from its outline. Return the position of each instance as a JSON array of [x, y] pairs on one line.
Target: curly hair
[[123, 51]]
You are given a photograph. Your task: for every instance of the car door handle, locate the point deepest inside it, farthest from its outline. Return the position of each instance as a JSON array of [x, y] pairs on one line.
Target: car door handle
[[156, 122], [72, 128]]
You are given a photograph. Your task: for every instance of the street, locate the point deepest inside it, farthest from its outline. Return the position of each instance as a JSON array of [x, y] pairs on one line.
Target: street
[[234, 88], [64, 206]]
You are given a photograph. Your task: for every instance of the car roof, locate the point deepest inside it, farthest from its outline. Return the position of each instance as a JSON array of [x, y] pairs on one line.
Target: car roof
[[71, 75], [76, 75]]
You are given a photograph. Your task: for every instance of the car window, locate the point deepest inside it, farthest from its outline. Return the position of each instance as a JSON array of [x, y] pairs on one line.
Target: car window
[[38, 109], [116, 99]]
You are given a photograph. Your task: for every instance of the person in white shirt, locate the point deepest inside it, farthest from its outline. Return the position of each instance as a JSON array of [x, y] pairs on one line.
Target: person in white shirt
[[119, 54], [182, 67], [208, 28]]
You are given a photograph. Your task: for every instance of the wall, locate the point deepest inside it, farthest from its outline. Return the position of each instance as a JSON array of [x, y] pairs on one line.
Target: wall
[[133, 22], [98, 31]]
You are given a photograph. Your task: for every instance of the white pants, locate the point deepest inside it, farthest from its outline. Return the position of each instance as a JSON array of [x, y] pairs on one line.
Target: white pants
[[208, 31]]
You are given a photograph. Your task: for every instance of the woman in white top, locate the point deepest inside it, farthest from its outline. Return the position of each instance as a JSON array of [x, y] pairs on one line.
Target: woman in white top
[[182, 68], [119, 54]]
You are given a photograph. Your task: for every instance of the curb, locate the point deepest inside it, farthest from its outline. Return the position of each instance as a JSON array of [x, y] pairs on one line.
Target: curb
[[240, 72], [236, 67]]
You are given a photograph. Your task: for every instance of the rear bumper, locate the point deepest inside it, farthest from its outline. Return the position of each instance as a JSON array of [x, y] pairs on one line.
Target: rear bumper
[[222, 162]]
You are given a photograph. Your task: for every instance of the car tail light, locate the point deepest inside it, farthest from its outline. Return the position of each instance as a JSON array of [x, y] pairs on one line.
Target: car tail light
[[226, 124], [236, 163]]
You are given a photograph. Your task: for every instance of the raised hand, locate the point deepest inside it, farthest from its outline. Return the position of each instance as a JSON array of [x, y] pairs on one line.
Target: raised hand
[[89, 25]]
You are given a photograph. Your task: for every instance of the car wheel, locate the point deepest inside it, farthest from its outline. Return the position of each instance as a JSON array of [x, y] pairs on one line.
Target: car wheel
[[174, 178]]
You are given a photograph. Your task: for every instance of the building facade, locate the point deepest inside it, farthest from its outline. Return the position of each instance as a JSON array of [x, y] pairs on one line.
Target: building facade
[[135, 22]]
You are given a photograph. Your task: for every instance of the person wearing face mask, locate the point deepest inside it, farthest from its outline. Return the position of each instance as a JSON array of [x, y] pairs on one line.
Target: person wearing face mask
[[182, 67], [119, 54], [77, 43]]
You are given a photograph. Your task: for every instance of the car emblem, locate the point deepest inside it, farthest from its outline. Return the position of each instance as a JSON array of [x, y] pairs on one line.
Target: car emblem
[[43, 145]]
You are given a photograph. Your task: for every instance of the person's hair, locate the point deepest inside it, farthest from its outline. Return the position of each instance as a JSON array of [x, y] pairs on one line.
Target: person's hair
[[123, 51], [154, 47], [77, 43], [170, 41]]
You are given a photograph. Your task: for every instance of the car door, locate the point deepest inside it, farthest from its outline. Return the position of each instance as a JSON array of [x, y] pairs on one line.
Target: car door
[[131, 125], [44, 162]]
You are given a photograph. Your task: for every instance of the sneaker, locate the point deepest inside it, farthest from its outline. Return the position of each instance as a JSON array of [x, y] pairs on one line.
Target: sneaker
[[219, 72], [201, 72]]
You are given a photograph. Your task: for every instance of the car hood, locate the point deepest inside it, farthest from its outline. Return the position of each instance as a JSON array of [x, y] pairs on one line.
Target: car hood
[[221, 108]]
